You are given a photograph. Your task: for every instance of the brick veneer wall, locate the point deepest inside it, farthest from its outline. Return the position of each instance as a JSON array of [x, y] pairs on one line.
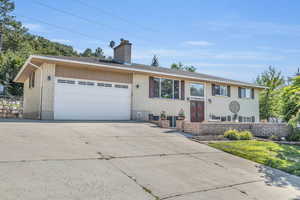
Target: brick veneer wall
[[218, 128]]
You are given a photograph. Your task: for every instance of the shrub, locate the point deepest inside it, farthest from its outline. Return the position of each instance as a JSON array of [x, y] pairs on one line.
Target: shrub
[[163, 115], [232, 134], [181, 114], [274, 138], [295, 135], [245, 135]]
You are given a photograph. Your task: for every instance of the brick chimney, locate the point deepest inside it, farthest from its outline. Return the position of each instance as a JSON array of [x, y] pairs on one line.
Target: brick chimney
[[122, 52]]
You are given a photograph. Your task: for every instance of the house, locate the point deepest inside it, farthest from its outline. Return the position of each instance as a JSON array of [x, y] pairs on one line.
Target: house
[[80, 88]]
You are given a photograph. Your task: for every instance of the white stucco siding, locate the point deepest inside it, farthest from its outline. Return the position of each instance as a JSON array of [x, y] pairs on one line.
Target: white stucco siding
[[220, 105], [142, 105], [31, 104], [32, 96]]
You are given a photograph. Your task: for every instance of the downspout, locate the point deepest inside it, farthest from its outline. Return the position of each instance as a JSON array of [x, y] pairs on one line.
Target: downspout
[[41, 96]]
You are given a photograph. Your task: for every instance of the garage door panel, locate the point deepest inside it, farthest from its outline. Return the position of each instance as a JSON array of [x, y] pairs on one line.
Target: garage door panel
[[84, 102]]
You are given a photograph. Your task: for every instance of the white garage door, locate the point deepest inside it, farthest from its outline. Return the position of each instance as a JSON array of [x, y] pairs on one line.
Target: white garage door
[[91, 100]]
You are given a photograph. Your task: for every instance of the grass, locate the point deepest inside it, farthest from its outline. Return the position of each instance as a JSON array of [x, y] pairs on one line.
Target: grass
[[279, 156]]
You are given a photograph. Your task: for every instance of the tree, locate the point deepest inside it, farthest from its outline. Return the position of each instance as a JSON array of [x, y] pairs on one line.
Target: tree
[[10, 64], [290, 102], [268, 101], [181, 67], [190, 68], [99, 53], [18, 44], [178, 66], [87, 52], [155, 62]]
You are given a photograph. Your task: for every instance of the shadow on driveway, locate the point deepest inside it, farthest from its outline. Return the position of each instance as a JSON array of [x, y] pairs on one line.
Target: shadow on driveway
[[275, 177]]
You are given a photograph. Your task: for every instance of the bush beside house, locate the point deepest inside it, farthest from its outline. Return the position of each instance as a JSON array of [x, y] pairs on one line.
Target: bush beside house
[[233, 134]]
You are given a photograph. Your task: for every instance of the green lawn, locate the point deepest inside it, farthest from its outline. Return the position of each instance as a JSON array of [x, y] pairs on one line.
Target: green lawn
[[279, 156]]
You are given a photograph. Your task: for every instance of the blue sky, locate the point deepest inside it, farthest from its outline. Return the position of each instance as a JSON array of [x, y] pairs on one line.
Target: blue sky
[[229, 38]]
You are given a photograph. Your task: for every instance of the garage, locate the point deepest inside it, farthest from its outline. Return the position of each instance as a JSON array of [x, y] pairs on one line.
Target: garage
[[77, 99]]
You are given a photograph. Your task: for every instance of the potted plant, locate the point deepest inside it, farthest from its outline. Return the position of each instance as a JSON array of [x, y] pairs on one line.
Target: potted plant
[[163, 115], [181, 114], [180, 120], [164, 123]]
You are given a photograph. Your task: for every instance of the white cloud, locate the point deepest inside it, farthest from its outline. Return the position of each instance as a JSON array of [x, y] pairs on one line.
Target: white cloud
[[198, 43], [34, 27]]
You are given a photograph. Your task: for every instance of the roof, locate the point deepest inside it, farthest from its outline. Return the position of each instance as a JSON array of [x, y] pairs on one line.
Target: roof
[[141, 68]]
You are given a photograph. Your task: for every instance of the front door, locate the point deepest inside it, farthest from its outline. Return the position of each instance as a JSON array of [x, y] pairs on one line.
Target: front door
[[197, 111]]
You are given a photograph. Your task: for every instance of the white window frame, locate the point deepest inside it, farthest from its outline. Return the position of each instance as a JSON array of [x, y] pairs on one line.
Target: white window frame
[[244, 94], [224, 87], [173, 88], [199, 84]]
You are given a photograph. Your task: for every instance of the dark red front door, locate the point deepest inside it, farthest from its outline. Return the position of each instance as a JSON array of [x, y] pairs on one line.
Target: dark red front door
[[197, 111]]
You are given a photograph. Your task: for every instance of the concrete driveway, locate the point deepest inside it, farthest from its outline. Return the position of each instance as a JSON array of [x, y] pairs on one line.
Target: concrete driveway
[[126, 161]]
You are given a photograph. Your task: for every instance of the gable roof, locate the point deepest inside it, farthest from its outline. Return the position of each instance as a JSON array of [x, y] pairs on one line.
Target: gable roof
[[138, 68]]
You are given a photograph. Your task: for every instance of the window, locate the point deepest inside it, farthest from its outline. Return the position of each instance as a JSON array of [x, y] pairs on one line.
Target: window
[[32, 80], [213, 117], [167, 88], [121, 86], [156, 87], [81, 83], [90, 83], [104, 84], [85, 83], [66, 81], [245, 93], [164, 88], [246, 119], [221, 90], [197, 90], [176, 89]]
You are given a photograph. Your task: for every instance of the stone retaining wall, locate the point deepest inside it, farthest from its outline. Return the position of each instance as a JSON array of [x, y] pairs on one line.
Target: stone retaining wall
[[218, 128]]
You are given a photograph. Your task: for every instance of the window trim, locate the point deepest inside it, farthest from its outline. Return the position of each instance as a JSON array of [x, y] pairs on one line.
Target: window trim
[[173, 88], [250, 93], [221, 95]]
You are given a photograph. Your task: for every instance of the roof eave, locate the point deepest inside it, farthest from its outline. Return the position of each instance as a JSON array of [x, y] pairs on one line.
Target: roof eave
[[16, 79], [129, 69]]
